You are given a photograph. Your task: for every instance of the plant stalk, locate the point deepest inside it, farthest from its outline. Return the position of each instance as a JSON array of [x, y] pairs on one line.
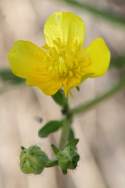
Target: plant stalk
[[92, 103], [52, 163], [65, 132], [101, 13]]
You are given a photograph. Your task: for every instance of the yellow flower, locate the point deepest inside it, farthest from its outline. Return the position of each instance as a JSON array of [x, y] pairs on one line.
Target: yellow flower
[[62, 62]]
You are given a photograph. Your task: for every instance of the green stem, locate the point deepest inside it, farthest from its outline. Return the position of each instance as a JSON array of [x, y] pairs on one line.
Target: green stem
[[92, 103], [52, 163], [65, 131], [85, 107], [102, 13]]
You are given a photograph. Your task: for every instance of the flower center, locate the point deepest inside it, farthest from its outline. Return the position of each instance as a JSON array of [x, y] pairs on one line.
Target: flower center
[[66, 63]]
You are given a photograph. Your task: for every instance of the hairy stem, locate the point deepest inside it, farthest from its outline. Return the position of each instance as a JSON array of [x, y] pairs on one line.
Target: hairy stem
[[65, 132], [85, 107], [92, 103], [52, 163], [102, 13]]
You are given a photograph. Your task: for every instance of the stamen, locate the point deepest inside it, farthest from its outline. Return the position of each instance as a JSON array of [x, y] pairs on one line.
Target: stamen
[[67, 63]]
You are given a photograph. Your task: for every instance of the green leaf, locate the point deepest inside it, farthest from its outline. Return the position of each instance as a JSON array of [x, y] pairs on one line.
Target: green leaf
[[50, 127], [55, 149], [60, 98], [7, 75]]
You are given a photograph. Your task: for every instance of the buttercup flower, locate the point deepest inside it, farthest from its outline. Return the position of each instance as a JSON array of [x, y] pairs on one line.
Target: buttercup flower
[[63, 62]]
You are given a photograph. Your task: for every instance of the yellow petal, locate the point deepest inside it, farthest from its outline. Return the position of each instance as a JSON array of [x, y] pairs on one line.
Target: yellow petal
[[48, 85], [29, 61], [64, 27], [25, 58], [99, 56], [70, 83]]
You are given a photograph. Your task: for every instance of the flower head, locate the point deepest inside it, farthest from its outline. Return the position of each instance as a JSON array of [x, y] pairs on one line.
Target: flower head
[[63, 62]]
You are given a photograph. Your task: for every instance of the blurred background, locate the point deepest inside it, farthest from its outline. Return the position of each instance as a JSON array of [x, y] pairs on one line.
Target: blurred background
[[23, 109]]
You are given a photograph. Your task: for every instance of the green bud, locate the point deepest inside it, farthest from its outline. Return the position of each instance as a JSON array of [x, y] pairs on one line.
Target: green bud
[[33, 160], [68, 157]]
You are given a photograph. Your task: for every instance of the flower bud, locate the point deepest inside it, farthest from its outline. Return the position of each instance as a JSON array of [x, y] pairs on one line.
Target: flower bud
[[68, 157], [33, 160]]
